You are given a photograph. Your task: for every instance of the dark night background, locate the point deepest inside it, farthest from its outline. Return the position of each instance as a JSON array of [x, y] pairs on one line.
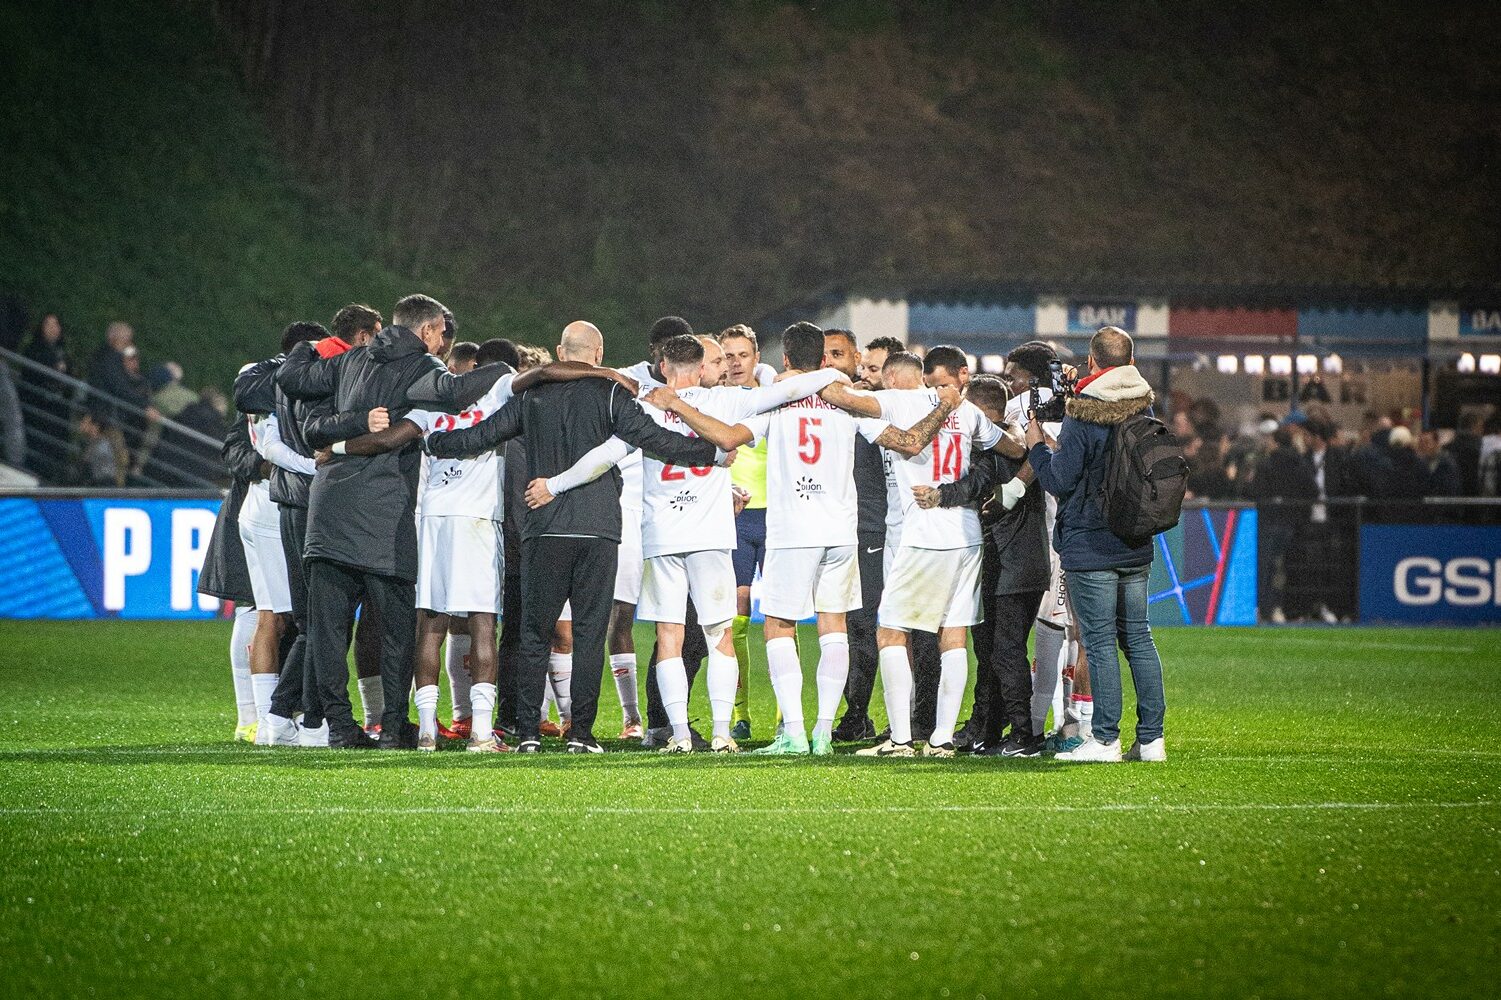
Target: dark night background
[[210, 171]]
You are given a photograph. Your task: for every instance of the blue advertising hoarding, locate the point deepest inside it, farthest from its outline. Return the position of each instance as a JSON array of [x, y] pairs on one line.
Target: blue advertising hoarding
[[104, 557], [1429, 574]]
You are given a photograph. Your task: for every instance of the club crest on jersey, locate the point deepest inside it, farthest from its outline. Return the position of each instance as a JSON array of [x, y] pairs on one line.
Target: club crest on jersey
[[807, 488], [682, 500]]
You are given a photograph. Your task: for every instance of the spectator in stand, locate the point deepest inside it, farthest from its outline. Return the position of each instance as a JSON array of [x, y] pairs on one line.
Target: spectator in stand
[[1465, 450], [108, 371], [1326, 559], [168, 394], [189, 460], [12, 426], [100, 461], [1283, 488], [1443, 471], [1207, 476], [1409, 475], [1490, 457], [45, 400]]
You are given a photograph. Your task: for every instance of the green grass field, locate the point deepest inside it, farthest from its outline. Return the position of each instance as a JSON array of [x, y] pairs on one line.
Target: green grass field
[[1326, 826]]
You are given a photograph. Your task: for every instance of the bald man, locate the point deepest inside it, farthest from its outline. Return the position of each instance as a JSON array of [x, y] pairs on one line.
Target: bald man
[[568, 548]]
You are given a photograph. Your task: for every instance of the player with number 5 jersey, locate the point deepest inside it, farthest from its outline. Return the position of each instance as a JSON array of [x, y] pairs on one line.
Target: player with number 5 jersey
[[811, 519]]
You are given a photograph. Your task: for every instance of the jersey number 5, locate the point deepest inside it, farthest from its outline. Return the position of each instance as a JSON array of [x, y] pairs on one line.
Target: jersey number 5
[[809, 447]]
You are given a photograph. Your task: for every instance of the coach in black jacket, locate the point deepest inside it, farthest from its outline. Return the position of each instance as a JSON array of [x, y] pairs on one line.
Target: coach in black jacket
[[568, 547], [361, 532]]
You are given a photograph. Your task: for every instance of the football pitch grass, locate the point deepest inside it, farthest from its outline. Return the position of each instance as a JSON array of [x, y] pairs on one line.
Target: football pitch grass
[[1326, 826]]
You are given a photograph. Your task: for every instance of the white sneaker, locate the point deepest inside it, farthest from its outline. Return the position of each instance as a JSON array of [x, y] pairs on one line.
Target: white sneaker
[[723, 744], [1278, 618], [684, 745], [888, 749], [282, 732], [313, 737], [1328, 617], [1093, 752], [263, 733], [1155, 751]]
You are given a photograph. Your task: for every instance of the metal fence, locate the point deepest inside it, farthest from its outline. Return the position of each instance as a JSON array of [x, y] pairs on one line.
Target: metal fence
[[162, 452]]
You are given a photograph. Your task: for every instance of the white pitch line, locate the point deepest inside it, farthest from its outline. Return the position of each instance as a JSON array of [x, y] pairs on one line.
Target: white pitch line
[[1122, 807]]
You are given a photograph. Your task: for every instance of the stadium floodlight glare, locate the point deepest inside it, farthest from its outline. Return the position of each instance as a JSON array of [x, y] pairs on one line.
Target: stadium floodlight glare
[[1333, 364], [1255, 364], [1280, 364], [1308, 364], [1228, 364], [1490, 364], [992, 363], [1466, 362]]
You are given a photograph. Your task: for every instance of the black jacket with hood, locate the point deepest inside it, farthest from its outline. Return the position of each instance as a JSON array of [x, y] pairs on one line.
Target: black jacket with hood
[[562, 421], [361, 508]]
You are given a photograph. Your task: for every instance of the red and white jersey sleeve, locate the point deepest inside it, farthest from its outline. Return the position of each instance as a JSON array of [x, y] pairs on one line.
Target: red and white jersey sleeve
[[946, 459], [468, 487], [810, 472]]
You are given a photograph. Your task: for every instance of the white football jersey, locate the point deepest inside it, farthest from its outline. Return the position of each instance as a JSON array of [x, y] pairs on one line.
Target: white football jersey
[[469, 487], [944, 460], [690, 509], [810, 472], [632, 484], [258, 508]]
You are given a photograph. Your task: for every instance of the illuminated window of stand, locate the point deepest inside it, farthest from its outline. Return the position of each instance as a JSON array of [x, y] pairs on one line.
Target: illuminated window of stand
[[1228, 364], [1308, 364], [1466, 362], [1280, 364], [1255, 364], [1490, 364]]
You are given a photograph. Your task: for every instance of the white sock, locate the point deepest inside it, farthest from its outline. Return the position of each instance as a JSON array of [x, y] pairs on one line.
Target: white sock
[[560, 672], [427, 710], [1084, 706], [724, 679], [833, 671], [482, 697], [896, 684], [672, 683], [548, 701], [263, 687], [239, 663], [786, 681], [953, 679], [372, 699], [623, 667], [456, 661], [1050, 648]]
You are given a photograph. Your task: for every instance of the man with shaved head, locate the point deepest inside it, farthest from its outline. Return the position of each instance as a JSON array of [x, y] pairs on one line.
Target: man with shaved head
[[568, 548]]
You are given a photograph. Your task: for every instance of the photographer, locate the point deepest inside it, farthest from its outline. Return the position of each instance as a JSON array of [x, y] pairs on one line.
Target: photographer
[[1107, 575]]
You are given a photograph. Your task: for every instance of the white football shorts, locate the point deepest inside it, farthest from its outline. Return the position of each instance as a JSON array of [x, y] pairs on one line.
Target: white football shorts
[[929, 589], [668, 581], [798, 582]]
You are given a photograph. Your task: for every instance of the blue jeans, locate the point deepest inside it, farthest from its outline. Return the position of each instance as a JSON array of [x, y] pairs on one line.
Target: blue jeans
[[1111, 605]]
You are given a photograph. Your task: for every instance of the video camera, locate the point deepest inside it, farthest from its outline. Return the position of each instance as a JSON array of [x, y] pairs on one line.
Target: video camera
[[1062, 387]]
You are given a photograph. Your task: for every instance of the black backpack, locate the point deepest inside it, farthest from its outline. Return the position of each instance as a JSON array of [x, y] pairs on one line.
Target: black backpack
[[1145, 479]]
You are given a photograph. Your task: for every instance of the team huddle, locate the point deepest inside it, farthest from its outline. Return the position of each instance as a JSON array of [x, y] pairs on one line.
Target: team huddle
[[482, 509]]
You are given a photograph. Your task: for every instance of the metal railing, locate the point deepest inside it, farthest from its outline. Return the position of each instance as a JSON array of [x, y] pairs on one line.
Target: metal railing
[[164, 453]]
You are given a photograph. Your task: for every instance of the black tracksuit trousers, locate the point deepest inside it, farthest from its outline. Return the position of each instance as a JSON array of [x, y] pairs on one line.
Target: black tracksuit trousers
[[1008, 622], [556, 569], [297, 689], [334, 590], [861, 627]]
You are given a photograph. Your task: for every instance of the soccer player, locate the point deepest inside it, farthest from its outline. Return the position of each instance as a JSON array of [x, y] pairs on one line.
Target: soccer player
[[935, 576], [742, 355], [810, 530], [689, 529], [260, 533], [362, 531], [873, 362], [569, 548], [225, 575]]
